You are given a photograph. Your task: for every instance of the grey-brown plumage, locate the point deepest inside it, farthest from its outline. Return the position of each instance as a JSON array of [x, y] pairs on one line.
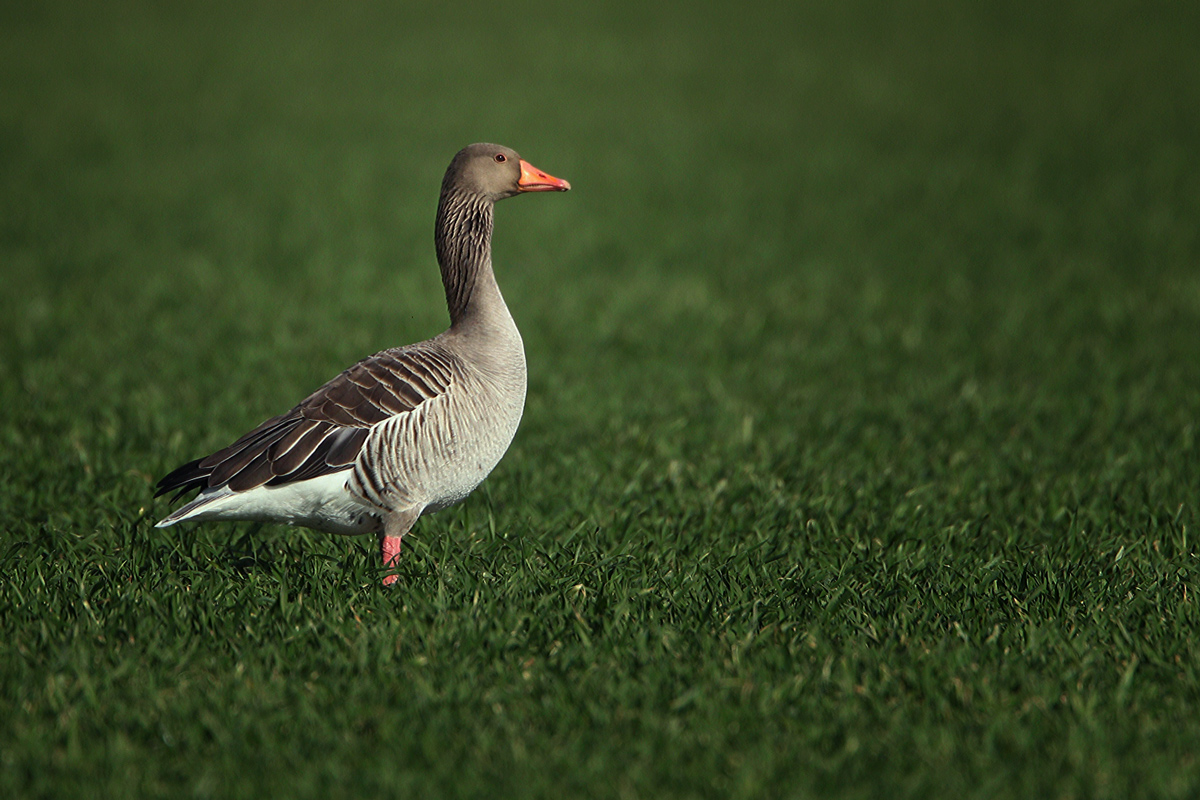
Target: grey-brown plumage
[[406, 431]]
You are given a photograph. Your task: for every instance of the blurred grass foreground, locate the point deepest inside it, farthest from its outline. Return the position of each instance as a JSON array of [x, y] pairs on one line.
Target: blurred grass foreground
[[860, 451]]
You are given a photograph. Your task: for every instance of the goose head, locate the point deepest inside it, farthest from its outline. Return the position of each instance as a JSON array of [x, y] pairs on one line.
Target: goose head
[[496, 172]]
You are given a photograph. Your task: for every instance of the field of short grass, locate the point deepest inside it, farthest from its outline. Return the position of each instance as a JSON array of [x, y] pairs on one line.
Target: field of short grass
[[860, 452]]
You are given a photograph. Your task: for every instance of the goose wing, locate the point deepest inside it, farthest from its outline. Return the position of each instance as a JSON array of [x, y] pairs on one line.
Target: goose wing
[[325, 432]]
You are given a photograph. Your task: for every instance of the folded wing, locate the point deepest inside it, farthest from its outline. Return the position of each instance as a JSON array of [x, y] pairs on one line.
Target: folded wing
[[326, 431]]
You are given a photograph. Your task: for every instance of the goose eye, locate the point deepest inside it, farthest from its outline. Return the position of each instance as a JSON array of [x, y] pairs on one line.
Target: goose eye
[[501, 158]]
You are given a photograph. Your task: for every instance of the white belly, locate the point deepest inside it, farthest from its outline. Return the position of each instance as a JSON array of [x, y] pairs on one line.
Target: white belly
[[323, 503]]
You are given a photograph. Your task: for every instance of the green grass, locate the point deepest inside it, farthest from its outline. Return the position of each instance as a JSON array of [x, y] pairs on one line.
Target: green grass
[[860, 452]]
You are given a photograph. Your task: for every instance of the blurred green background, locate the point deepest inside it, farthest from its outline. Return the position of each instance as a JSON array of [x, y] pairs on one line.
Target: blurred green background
[[859, 456]]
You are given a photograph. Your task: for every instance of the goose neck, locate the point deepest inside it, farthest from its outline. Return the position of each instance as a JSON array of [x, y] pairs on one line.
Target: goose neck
[[463, 237]]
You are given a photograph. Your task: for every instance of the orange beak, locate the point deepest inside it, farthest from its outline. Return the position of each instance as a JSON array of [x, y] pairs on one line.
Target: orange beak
[[534, 180]]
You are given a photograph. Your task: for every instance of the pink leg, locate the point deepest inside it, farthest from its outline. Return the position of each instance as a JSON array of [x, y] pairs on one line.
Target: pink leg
[[395, 525], [390, 548]]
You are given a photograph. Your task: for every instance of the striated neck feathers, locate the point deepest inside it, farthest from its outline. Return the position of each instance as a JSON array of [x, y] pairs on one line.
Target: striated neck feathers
[[463, 237]]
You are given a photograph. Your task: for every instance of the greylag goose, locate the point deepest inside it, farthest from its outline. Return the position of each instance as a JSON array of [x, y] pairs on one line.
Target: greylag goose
[[407, 431]]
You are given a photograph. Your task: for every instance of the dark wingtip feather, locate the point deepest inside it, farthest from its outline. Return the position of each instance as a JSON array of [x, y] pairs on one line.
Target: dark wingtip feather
[[185, 478]]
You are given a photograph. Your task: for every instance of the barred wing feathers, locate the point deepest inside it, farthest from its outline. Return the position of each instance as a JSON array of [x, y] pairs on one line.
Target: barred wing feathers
[[326, 431]]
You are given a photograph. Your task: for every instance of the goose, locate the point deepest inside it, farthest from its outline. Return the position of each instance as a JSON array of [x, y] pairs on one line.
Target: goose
[[407, 431]]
